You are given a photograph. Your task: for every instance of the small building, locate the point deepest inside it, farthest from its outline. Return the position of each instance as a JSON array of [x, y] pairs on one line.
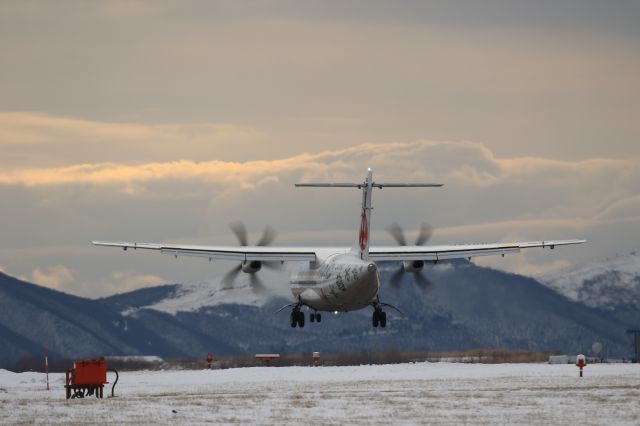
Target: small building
[[560, 359]]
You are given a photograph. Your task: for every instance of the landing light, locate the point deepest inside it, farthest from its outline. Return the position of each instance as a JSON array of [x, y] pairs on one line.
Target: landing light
[[335, 312]]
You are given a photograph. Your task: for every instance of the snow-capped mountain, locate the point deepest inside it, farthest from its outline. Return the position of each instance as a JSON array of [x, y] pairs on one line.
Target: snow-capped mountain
[[193, 296], [465, 307], [608, 284]]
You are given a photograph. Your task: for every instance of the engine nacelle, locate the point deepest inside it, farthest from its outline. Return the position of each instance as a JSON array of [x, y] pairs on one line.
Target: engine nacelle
[[413, 265], [251, 267]]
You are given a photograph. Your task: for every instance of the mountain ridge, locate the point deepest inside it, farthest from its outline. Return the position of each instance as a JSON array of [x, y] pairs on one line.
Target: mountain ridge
[[466, 307]]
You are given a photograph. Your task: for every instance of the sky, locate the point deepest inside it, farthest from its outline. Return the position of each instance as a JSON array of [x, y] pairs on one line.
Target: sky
[[165, 121]]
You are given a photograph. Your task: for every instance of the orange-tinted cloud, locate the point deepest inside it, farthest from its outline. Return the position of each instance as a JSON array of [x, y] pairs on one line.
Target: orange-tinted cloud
[[56, 277], [30, 139]]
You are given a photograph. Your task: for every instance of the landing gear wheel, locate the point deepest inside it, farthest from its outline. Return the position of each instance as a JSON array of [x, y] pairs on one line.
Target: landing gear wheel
[[300, 316], [318, 317], [294, 320], [383, 319], [312, 317], [375, 319]]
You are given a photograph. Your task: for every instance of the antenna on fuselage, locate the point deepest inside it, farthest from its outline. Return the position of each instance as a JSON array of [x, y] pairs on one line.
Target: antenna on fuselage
[[362, 246]]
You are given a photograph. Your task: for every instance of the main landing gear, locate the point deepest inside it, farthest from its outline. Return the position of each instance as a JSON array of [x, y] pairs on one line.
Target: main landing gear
[[379, 317], [297, 317]]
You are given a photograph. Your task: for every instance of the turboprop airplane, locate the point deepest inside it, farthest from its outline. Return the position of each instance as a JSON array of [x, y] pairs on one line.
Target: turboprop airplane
[[339, 279]]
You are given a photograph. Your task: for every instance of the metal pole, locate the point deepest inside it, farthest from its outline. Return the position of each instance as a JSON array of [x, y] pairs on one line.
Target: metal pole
[[636, 343], [46, 365]]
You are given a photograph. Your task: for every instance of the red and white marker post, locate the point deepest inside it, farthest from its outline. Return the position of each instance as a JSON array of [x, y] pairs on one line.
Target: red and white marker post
[[581, 362]]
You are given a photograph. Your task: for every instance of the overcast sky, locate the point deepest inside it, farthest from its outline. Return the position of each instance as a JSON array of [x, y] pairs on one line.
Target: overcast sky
[[166, 121]]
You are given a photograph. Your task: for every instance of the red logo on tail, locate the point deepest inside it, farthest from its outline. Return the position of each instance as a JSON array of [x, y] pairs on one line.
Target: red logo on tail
[[364, 232]]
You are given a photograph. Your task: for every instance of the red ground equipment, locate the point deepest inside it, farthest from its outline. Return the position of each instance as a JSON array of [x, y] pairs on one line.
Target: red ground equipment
[[267, 358], [88, 378]]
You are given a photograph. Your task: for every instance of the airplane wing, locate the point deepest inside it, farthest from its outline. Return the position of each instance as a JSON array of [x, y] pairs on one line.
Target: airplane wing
[[241, 254], [308, 254], [435, 253]]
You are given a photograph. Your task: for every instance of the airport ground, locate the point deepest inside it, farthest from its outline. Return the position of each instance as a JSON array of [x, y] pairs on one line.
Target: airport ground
[[413, 393]]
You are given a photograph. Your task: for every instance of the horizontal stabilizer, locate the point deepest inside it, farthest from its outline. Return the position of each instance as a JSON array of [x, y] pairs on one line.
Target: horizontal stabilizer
[[331, 185], [374, 185], [407, 185]]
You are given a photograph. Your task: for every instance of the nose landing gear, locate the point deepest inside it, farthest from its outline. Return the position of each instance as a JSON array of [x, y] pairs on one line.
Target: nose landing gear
[[315, 316]]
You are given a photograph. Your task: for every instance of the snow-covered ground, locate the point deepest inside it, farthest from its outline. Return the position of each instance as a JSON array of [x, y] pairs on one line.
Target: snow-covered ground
[[441, 393]]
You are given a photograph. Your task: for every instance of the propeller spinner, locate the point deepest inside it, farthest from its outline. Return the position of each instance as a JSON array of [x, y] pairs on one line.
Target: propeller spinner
[[251, 267], [414, 267]]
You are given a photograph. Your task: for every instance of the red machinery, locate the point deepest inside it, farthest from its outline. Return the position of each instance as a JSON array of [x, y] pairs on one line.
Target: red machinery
[[87, 378], [267, 358]]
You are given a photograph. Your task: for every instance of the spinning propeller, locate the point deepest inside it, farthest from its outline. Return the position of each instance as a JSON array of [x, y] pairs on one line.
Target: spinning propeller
[[251, 267], [414, 267]]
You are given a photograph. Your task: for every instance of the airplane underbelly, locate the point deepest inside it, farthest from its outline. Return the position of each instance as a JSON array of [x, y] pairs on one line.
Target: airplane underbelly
[[352, 287]]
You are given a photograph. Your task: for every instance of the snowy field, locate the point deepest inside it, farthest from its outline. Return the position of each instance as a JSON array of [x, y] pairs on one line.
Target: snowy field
[[434, 393]]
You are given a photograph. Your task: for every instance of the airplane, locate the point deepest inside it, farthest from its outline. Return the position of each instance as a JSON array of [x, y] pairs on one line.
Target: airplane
[[339, 279]]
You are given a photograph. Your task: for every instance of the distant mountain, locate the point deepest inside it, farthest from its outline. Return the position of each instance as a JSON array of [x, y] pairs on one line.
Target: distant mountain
[[32, 317], [612, 284], [465, 307]]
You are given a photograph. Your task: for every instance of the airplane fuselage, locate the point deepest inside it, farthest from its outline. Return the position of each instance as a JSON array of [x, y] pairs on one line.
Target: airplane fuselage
[[340, 282]]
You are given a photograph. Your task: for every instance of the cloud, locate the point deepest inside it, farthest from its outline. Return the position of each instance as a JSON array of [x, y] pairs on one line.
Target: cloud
[[465, 163], [625, 208], [579, 190], [20, 128], [56, 211], [62, 278], [30, 138], [114, 282], [128, 281], [56, 277], [521, 264]]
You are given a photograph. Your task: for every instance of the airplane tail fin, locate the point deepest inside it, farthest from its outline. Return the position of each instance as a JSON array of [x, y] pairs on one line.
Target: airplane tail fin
[[362, 245]]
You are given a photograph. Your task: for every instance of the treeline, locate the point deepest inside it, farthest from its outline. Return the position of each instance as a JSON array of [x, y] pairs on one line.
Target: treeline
[[390, 356]]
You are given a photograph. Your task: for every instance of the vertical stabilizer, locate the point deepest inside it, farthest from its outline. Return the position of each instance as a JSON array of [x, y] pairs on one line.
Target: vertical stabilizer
[[361, 248]]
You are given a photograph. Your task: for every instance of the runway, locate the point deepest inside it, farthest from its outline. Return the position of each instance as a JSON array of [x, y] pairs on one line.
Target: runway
[[421, 393]]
